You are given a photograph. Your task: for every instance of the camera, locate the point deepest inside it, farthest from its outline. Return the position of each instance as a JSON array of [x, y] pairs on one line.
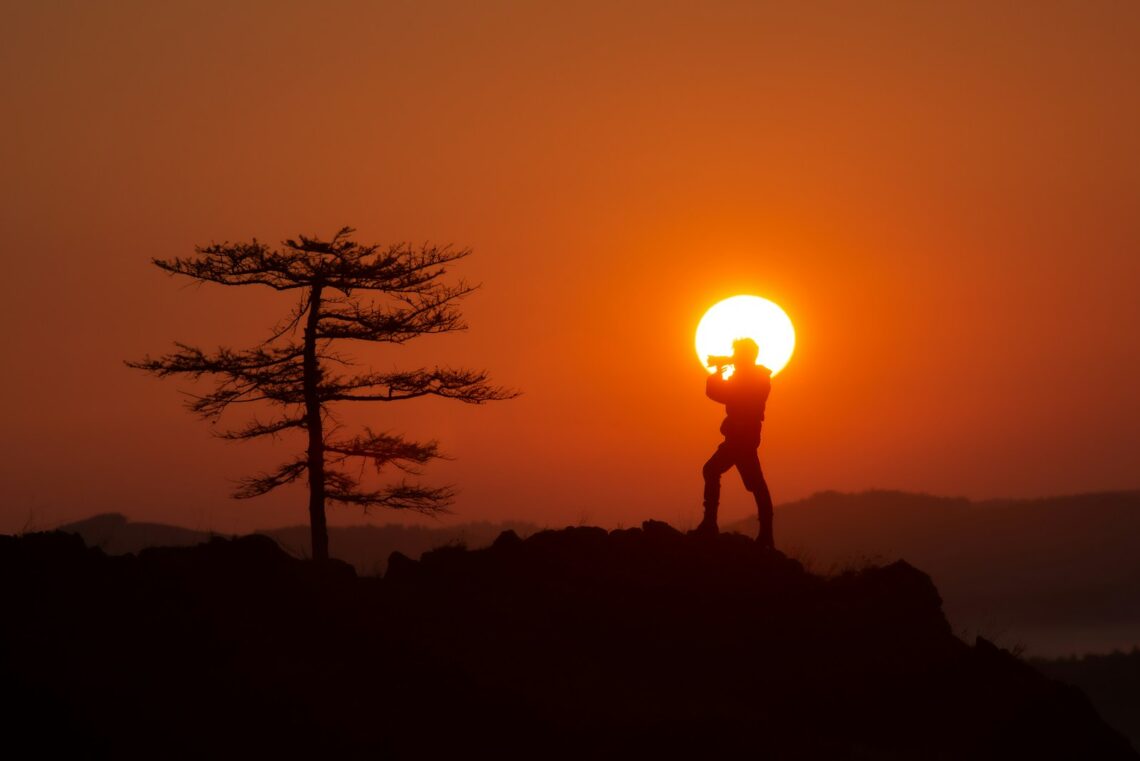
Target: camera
[[718, 361]]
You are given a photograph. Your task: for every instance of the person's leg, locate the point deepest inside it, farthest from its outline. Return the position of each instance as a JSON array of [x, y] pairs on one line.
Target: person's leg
[[748, 463], [716, 466]]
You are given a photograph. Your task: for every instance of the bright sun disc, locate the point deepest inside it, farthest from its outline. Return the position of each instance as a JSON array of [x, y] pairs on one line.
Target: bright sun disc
[[747, 317]]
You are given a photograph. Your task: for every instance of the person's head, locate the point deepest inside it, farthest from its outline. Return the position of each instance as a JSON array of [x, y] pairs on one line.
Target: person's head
[[745, 351]]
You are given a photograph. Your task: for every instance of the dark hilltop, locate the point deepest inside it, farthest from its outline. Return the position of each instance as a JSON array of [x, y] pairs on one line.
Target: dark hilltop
[[572, 643]]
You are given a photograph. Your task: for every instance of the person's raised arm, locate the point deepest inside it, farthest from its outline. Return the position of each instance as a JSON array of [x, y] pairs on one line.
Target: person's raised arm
[[716, 387]]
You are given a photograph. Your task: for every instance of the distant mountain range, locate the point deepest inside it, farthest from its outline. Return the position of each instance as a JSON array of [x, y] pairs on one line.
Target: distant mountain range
[[1056, 576]]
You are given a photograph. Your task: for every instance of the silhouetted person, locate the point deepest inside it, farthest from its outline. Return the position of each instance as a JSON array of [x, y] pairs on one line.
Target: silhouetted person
[[744, 395]]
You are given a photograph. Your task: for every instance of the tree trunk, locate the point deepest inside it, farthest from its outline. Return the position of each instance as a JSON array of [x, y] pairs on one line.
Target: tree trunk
[[316, 459]]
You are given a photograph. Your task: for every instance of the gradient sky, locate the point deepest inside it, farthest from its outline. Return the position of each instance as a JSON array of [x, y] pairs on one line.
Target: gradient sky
[[942, 196]]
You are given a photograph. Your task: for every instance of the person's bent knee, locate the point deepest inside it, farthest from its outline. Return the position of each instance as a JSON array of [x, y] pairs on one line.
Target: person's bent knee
[[752, 478]]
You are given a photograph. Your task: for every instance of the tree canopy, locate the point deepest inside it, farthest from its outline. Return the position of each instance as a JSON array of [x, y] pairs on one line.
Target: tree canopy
[[347, 291]]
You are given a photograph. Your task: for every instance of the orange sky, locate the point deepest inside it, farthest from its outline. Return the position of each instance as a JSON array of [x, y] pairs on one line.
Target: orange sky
[[943, 199]]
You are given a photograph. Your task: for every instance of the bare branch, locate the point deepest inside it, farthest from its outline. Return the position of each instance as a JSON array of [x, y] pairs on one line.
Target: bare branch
[[256, 429], [339, 263], [259, 374], [192, 361], [424, 313], [291, 321], [384, 449], [255, 486], [397, 269], [251, 263], [401, 496], [468, 386]]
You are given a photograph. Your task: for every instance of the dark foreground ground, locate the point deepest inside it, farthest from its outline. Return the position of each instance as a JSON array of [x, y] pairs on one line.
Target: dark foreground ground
[[574, 643]]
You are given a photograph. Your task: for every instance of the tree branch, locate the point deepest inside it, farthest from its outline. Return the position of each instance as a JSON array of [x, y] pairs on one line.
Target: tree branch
[[468, 386], [255, 486], [250, 263], [402, 496], [431, 311], [256, 429], [384, 449], [259, 374]]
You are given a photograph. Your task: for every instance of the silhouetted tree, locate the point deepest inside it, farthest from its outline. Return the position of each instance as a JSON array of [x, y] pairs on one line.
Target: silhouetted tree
[[303, 377]]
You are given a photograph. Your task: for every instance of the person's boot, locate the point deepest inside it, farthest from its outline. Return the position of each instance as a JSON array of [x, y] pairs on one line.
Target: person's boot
[[707, 527], [764, 518]]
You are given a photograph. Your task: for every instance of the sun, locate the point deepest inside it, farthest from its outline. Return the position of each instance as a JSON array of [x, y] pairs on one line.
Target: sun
[[747, 317]]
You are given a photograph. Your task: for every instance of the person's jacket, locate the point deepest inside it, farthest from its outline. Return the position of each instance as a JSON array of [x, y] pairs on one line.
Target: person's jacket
[[744, 396]]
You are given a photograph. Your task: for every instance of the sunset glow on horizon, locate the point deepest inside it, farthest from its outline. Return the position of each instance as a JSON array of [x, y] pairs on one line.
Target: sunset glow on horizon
[[922, 188]]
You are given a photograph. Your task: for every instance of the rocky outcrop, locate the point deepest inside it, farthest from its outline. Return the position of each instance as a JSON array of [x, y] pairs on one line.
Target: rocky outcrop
[[569, 643]]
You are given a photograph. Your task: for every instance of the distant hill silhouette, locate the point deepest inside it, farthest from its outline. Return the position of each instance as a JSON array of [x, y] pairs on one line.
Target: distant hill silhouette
[[636, 643], [116, 534], [1059, 575], [365, 547]]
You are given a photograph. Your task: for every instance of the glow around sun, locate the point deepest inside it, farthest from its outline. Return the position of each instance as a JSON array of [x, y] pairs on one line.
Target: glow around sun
[[747, 317]]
